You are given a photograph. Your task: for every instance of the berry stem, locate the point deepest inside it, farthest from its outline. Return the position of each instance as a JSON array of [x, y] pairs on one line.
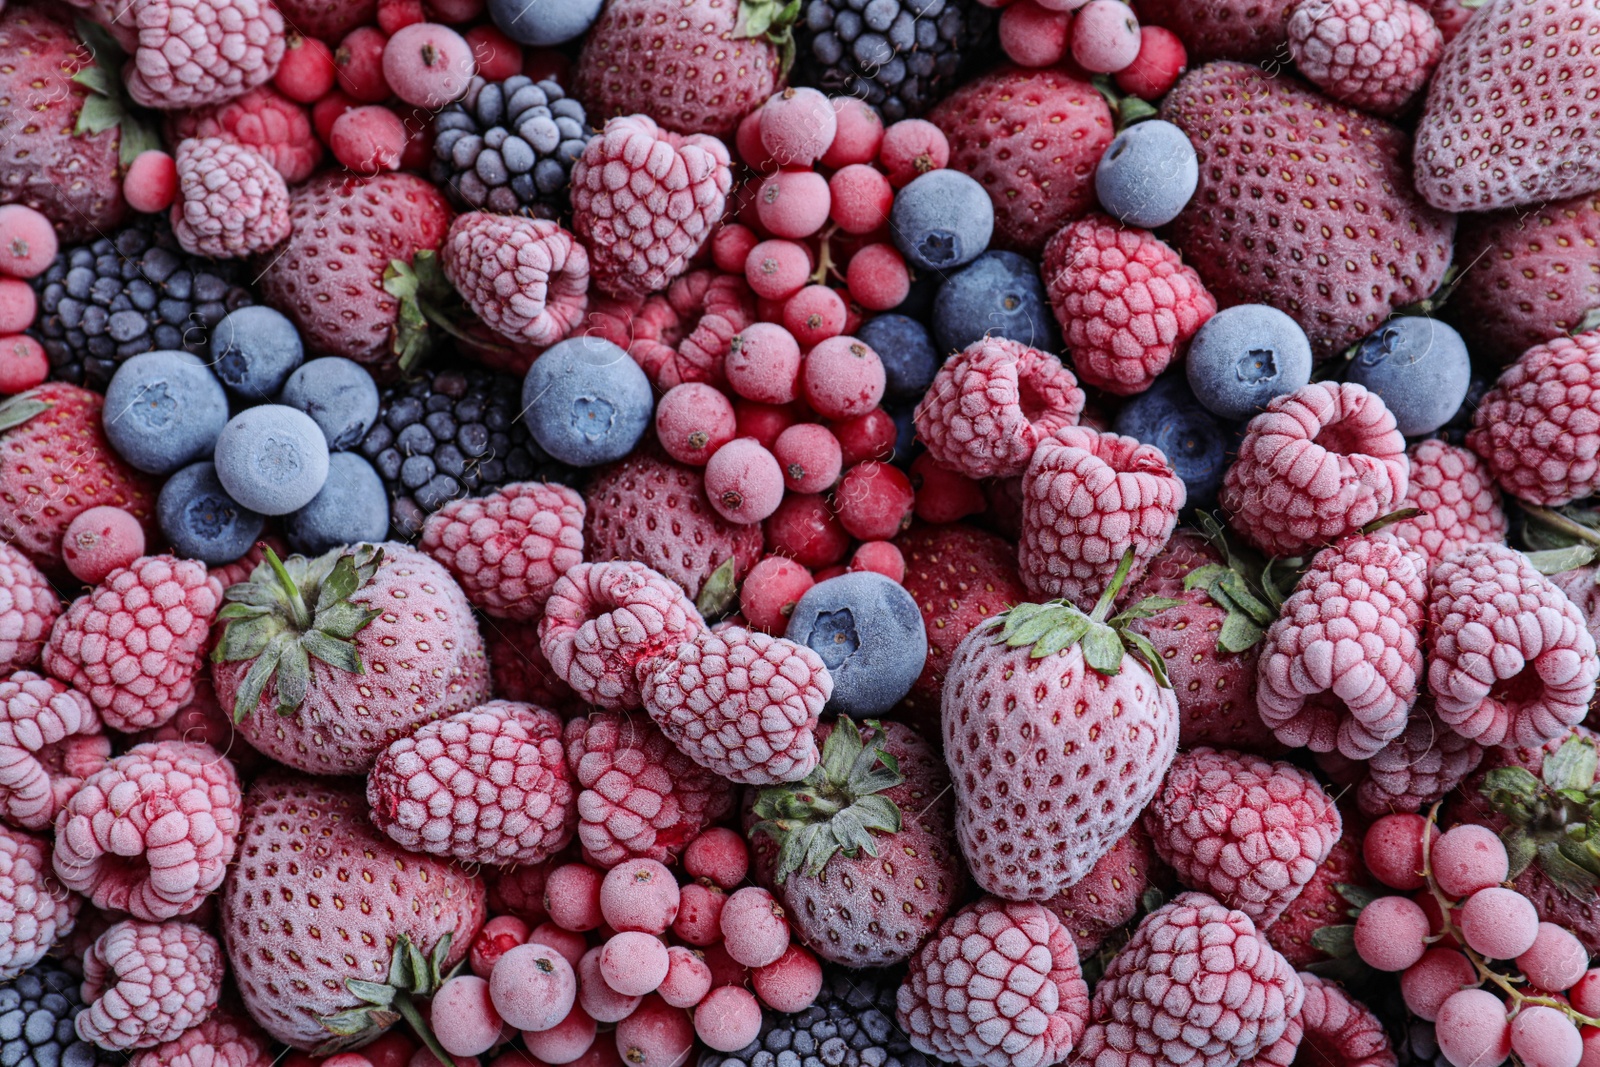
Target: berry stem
[[297, 603], [825, 264], [1562, 523], [1102, 607]]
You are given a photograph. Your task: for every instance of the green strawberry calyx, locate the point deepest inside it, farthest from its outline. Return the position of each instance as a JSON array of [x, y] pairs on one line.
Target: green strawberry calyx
[[838, 807], [108, 105], [288, 611], [1554, 819], [412, 975], [16, 410], [430, 309], [772, 21]]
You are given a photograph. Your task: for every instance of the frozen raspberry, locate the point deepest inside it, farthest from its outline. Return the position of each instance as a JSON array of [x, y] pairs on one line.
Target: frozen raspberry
[[232, 202], [644, 200], [50, 741], [1373, 54], [1249, 829], [743, 704], [1539, 427], [490, 785], [1321, 902], [990, 406], [1458, 503], [28, 609], [1420, 767], [683, 334], [605, 623], [148, 982], [526, 278], [1319, 463], [151, 832], [1339, 669], [197, 52], [1110, 894], [508, 549], [998, 986], [1126, 302], [1511, 658], [133, 643], [221, 1041], [1343, 1030], [1198, 976], [35, 912], [641, 797], [1088, 497], [263, 119]]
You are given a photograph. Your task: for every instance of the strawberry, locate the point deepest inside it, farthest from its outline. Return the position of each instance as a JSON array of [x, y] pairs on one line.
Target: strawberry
[[328, 20], [1303, 204], [1256, 31], [862, 853], [1322, 904], [1508, 106], [331, 928]]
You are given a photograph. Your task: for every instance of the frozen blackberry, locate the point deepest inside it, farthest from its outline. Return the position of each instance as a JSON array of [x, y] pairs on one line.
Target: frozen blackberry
[[132, 292], [900, 56], [450, 433], [509, 146], [850, 1025], [37, 1011]]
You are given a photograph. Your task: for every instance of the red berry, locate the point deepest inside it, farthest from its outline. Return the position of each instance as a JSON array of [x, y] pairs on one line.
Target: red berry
[[730, 1018], [875, 501], [793, 203], [764, 422], [570, 944], [498, 56], [428, 65], [28, 241], [911, 148], [744, 481], [719, 856], [358, 62], [1392, 850], [791, 982], [533, 987], [694, 420], [859, 134], [1468, 858], [747, 141], [700, 913], [880, 557], [797, 126], [495, 938], [763, 364], [809, 457], [564, 1042], [754, 930], [777, 269], [572, 896], [1033, 36], [861, 198], [306, 72], [806, 530], [639, 894], [99, 541], [1500, 923], [454, 12], [17, 305], [396, 15], [731, 246], [1542, 1036], [463, 1017], [814, 314], [1426, 984], [1585, 993], [1472, 1029], [842, 378], [688, 978], [151, 184], [23, 364], [943, 495], [878, 277], [1389, 933], [633, 963], [1156, 68], [325, 112], [368, 140], [770, 591], [598, 1000], [1105, 36], [1556, 961], [656, 1033], [869, 436]]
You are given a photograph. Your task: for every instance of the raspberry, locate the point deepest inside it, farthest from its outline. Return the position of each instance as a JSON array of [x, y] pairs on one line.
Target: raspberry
[[221, 1041], [1187, 953], [490, 785], [814, 314], [34, 910], [743, 481], [682, 335], [508, 549], [1419, 768], [526, 278], [644, 200], [911, 148], [694, 420], [1110, 894], [742, 704], [148, 982], [232, 202], [1321, 902], [151, 832], [1341, 1028], [517, 667], [1088, 498], [641, 798], [1511, 659], [28, 609], [1251, 830], [1373, 54], [50, 741], [1126, 302], [1339, 668], [133, 643], [197, 52], [874, 501], [1319, 463], [1539, 427], [265, 120], [1458, 503]]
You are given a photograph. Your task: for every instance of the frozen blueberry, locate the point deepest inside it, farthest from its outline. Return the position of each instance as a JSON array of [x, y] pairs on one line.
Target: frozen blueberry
[[340, 397], [1419, 366], [1245, 356], [351, 508], [163, 410], [909, 362], [1194, 441], [1147, 174], [543, 22], [999, 293], [201, 520], [254, 350], [586, 402], [869, 632], [942, 220], [272, 459]]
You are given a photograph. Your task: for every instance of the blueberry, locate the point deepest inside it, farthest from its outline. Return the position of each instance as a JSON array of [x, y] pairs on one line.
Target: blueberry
[[869, 632], [909, 362], [201, 520], [1419, 366], [351, 508], [1147, 174], [163, 410], [543, 22], [1194, 441], [918, 303], [254, 349], [942, 220], [1000, 294], [1245, 356], [340, 397], [272, 459], [586, 402]]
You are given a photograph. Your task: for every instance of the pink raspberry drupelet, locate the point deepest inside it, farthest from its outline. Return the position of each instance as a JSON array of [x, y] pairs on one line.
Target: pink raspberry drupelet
[[528, 279], [1539, 427], [1421, 766], [1319, 463], [196, 52], [1341, 1026], [148, 982], [50, 741], [231, 202], [507, 549], [28, 609], [990, 405], [1374, 54], [35, 912], [684, 334], [223, 1040], [1457, 500]]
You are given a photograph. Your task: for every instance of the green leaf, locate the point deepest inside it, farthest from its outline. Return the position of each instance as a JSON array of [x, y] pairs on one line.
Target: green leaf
[[1336, 941], [840, 750], [1399, 515], [1573, 877], [757, 20], [1152, 658], [356, 1022], [1520, 849], [1102, 649], [1560, 560], [1147, 608], [718, 592], [878, 813], [247, 638], [1020, 615], [340, 583], [1356, 896], [294, 677], [1034, 627], [19, 409], [1572, 766], [344, 620], [341, 655], [1591, 318], [1238, 634], [1064, 636], [1152, 899], [241, 611], [1132, 109], [820, 850], [256, 678], [372, 992], [850, 833], [93, 77], [1514, 781], [412, 340]]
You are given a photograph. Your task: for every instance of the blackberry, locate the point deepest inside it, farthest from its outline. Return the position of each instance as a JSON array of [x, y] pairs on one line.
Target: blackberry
[[37, 1010], [509, 146], [450, 433], [850, 1025], [132, 292], [900, 56]]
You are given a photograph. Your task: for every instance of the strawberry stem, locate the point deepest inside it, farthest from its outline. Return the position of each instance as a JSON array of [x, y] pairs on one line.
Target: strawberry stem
[[1563, 523], [297, 603], [1102, 607]]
